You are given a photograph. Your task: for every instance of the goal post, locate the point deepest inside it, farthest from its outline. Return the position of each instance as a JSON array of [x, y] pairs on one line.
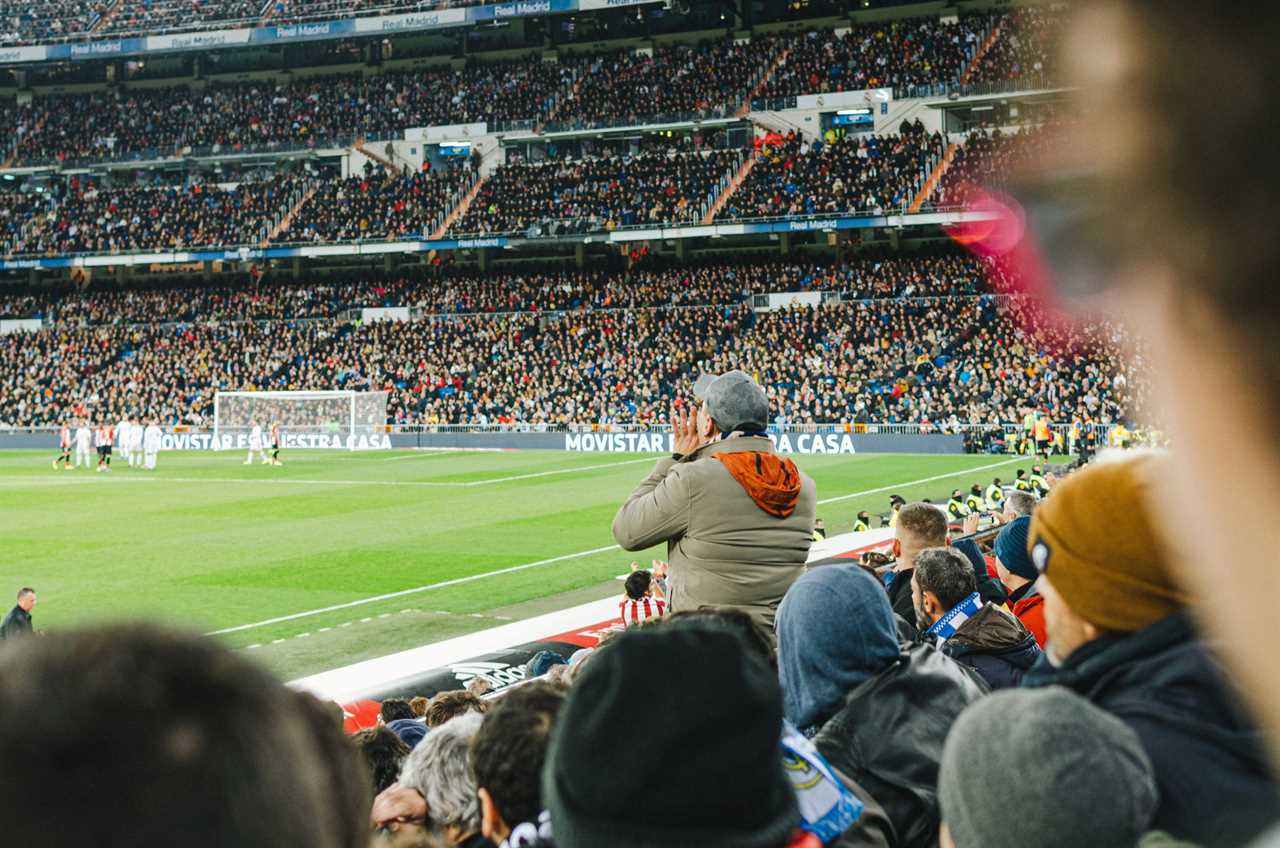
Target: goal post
[[334, 419]]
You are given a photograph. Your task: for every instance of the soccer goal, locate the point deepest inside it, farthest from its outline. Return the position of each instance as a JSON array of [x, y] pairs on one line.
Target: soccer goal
[[348, 420]]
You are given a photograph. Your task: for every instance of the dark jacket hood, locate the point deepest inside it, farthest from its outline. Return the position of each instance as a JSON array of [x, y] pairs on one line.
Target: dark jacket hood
[[991, 631], [888, 736]]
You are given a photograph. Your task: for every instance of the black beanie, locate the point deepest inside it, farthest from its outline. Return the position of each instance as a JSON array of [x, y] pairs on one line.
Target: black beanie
[[685, 715]]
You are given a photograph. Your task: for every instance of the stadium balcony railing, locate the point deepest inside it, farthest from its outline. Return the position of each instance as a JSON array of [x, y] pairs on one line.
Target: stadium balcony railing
[[211, 151], [206, 24], [1034, 82]]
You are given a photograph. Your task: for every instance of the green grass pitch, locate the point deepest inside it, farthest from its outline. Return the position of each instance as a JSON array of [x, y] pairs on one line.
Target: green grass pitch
[[209, 543]]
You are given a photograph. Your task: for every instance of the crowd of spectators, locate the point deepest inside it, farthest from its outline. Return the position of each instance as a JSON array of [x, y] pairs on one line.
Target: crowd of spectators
[[1026, 48], [618, 87], [446, 290], [48, 20], [380, 205], [148, 16], [90, 217], [890, 54], [706, 80], [986, 160], [591, 194], [264, 114], [627, 348], [845, 175]]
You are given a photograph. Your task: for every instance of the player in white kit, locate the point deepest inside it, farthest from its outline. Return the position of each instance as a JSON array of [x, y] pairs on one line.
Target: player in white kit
[[133, 445], [255, 444], [151, 444], [84, 440], [122, 438]]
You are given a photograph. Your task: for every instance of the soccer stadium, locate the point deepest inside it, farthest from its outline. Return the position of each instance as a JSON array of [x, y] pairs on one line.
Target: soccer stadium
[[745, 423]]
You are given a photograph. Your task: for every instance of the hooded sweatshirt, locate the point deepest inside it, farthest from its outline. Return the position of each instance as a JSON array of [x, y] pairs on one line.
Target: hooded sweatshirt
[[835, 631]]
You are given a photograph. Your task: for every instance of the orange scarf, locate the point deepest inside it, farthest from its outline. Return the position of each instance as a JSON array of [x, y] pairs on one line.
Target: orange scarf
[[772, 482]]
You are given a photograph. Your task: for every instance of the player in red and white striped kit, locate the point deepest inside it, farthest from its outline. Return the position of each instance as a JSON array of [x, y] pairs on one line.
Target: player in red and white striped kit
[[64, 448], [645, 596], [103, 436]]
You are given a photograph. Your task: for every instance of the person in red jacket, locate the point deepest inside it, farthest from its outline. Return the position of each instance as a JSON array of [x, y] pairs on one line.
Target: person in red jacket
[[1018, 573]]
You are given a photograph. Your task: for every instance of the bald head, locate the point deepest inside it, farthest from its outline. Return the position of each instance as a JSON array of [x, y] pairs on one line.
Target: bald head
[[919, 526]]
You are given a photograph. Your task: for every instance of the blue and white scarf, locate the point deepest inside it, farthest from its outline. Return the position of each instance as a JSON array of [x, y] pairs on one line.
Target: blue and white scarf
[[827, 807], [946, 627]]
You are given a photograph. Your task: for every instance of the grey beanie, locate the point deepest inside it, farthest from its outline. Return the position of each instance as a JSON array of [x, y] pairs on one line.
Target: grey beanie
[[1068, 773], [734, 401]]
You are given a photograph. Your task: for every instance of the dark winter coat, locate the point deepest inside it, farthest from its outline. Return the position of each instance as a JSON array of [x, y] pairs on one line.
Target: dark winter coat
[[995, 645], [889, 733], [1209, 758]]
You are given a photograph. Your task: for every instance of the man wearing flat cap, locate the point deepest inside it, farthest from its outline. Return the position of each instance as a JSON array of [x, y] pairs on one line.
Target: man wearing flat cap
[[736, 517]]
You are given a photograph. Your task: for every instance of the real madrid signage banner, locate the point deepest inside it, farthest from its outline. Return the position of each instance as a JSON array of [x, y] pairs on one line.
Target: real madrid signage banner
[[83, 51]]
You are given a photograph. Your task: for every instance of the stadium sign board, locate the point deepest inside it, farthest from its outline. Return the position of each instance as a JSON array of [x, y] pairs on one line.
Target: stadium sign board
[[80, 51], [290, 441], [802, 443]]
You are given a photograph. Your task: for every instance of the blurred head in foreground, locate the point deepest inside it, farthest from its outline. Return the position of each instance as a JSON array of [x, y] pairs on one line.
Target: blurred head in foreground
[[1183, 230], [163, 738]]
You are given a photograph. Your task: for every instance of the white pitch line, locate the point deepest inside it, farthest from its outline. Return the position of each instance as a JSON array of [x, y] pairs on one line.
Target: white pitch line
[[62, 481], [919, 482], [457, 581], [419, 453], [559, 471]]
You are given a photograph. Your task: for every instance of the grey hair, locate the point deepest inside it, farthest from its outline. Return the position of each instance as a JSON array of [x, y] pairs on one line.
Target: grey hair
[[947, 574], [440, 769], [1020, 503]]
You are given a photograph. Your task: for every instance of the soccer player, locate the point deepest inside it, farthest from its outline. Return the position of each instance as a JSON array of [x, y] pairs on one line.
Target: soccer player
[[134, 444], [83, 438], [64, 446], [102, 439], [151, 444], [122, 438], [275, 443], [255, 444]]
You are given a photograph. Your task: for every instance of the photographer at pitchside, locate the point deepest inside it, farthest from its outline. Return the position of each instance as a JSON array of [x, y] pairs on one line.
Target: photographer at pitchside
[[737, 518]]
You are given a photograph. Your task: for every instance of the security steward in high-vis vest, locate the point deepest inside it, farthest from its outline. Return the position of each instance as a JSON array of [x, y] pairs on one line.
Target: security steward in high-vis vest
[[995, 496], [1039, 485], [974, 500], [1020, 482], [819, 530], [863, 522], [955, 507]]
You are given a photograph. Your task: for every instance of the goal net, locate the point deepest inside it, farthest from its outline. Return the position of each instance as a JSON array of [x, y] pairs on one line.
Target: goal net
[[348, 420]]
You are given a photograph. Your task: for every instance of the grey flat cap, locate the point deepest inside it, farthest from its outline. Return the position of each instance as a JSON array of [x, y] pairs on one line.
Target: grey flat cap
[[734, 400]]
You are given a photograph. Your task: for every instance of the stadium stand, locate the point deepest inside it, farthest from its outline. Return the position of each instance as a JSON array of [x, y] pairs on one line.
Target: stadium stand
[[378, 205], [309, 112], [91, 217], [864, 173], [587, 195], [902, 55], [916, 339]]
